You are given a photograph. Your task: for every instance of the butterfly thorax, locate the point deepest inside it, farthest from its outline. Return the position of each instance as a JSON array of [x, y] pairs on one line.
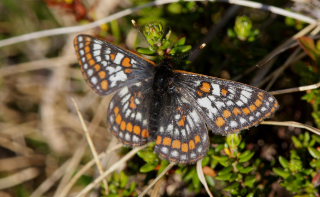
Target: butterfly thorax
[[163, 79], [162, 87]]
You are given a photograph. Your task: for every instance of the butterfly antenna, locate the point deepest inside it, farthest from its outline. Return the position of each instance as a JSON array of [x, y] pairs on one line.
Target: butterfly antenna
[[196, 52], [139, 28]]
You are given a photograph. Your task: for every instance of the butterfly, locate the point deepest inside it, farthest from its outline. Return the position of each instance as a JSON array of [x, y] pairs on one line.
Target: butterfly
[[174, 108]]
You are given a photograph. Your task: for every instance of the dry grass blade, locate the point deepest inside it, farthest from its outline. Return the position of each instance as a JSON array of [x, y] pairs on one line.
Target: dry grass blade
[[157, 179], [49, 182], [18, 178], [281, 48], [293, 124], [298, 89], [15, 147], [202, 178], [67, 188], [91, 145], [74, 29], [72, 166], [111, 169], [19, 162], [33, 65]]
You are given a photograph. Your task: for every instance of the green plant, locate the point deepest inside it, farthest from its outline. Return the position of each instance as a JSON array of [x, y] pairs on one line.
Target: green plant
[[243, 29], [300, 173]]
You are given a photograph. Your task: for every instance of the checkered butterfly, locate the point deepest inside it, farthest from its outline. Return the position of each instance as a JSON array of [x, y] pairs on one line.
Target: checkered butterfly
[[172, 107]]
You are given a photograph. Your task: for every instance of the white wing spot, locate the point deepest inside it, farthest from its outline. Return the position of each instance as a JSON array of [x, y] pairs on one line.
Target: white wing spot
[[118, 58], [107, 51], [85, 66], [111, 118], [170, 127], [176, 132], [242, 120], [174, 153], [206, 103], [183, 157], [246, 93], [165, 150], [90, 72], [123, 92], [270, 99], [251, 118], [230, 103], [135, 138], [81, 52], [258, 114], [219, 104], [120, 76], [80, 38], [239, 103], [96, 52], [81, 45], [244, 99], [216, 89], [138, 116], [199, 149], [96, 46], [128, 112], [144, 122], [104, 63], [263, 109], [127, 137], [94, 80], [233, 124], [193, 155], [98, 58], [161, 129]]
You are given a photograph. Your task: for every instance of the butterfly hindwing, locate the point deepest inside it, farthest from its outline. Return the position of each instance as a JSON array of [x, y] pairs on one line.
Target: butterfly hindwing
[[107, 67], [127, 114], [182, 136], [227, 106]]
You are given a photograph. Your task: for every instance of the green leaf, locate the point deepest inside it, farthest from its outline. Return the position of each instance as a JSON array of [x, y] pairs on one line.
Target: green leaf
[[224, 177], [249, 181], [181, 41], [180, 49], [246, 170], [296, 142], [306, 138], [124, 179], [284, 162], [246, 156], [233, 188], [148, 156], [233, 140], [226, 170], [314, 152], [315, 163], [309, 47], [148, 167], [280, 172], [146, 51]]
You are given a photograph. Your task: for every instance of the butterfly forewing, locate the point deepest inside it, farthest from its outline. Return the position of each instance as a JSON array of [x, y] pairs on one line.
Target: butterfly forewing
[[182, 136], [227, 106], [107, 67], [127, 114]]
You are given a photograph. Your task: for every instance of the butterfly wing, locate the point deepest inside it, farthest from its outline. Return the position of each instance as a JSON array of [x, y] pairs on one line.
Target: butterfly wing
[[227, 106], [182, 136], [128, 114], [107, 67]]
